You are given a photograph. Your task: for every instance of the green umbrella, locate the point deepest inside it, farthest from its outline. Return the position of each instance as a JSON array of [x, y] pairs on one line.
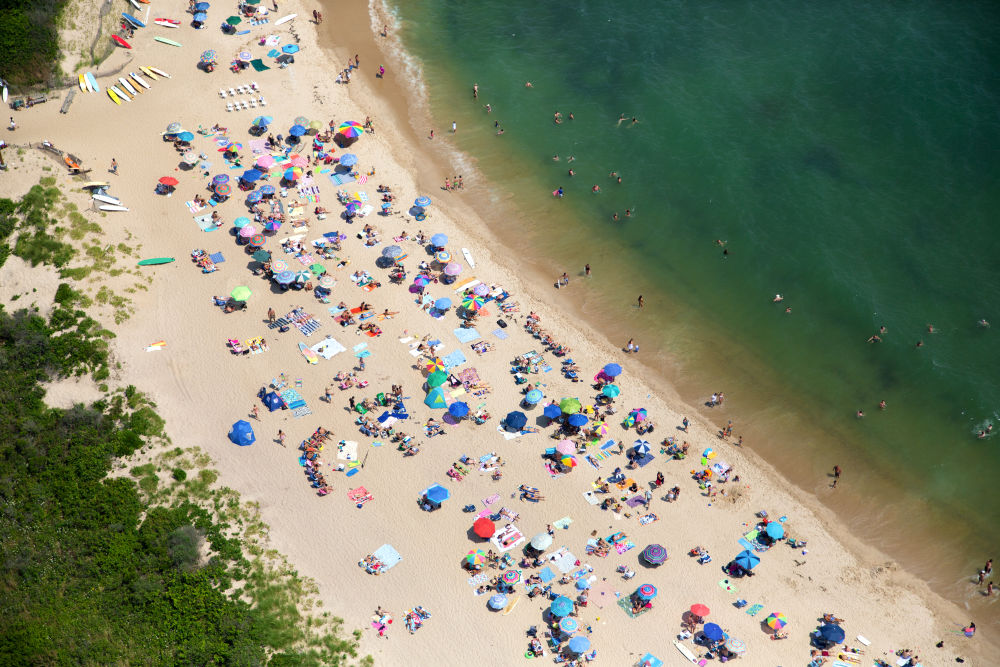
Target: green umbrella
[[437, 378], [241, 293], [263, 256], [253, 2], [570, 406], [234, 20], [318, 269]]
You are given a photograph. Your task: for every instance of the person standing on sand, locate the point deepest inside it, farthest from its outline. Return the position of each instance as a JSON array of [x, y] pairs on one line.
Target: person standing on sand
[[114, 166], [684, 423], [281, 437], [432, 135], [586, 269], [454, 127], [641, 302], [271, 315], [254, 413]]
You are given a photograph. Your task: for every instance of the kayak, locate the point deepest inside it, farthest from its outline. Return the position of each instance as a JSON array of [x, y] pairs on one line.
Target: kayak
[[156, 260]]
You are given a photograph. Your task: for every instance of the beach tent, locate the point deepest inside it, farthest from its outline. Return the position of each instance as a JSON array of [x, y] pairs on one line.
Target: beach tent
[[435, 399], [242, 433], [273, 402]]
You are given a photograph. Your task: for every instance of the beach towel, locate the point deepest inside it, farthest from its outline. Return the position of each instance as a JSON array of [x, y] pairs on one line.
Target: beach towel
[[454, 359], [648, 518], [546, 574], [622, 547], [388, 555], [258, 65], [728, 586], [566, 562], [754, 609], [746, 545], [562, 523], [500, 334], [359, 495], [626, 605], [348, 451], [205, 223], [635, 501], [217, 257], [466, 335], [591, 498], [644, 460]]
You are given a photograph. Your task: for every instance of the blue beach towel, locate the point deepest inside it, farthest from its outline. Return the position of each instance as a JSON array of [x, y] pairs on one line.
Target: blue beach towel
[[466, 335], [217, 257], [454, 359]]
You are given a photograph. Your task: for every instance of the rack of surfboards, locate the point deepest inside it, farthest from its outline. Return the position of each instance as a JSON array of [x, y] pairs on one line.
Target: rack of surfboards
[[125, 88]]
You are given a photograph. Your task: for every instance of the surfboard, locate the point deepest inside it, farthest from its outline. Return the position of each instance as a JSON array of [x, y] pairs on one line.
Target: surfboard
[[133, 20], [511, 605], [468, 258], [139, 80], [686, 652], [156, 260], [136, 4], [145, 70], [166, 23], [164, 40], [112, 207], [107, 199], [92, 82], [308, 353], [158, 71], [83, 83], [95, 184], [113, 97], [128, 86], [285, 19], [4, 92], [120, 42], [120, 93]]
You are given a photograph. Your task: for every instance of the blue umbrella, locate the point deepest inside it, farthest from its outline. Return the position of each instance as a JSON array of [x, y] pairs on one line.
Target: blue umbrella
[[296, 130], [437, 493], [832, 633], [185, 136], [582, 584], [646, 592], [497, 602], [775, 531], [220, 178], [552, 411], [713, 632], [443, 303], [392, 252], [561, 606], [267, 189], [201, 6], [747, 559], [533, 396], [516, 420], [200, 17], [285, 277], [579, 419], [254, 197], [262, 121], [439, 240], [242, 433], [579, 644], [612, 370], [241, 222], [641, 447], [611, 390], [251, 175], [458, 409], [290, 48], [348, 159], [422, 202]]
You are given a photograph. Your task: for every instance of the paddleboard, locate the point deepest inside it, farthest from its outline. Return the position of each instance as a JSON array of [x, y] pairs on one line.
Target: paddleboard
[[83, 83], [128, 86], [165, 23], [308, 353], [92, 82], [95, 184], [107, 199], [112, 207], [155, 261], [120, 42], [5, 93], [147, 72], [139, 80], [468, 258], [164, 40], [285, 19], [120, 93], [686, 652], [113, 97], [158, 71], [133, 20]]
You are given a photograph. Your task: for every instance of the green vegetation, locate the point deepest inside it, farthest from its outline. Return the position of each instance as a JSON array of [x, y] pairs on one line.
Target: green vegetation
[[29, 40]]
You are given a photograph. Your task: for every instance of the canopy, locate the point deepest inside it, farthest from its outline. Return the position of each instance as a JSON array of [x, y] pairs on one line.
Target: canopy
[[497, 602], [169, 180], [611, 390], [241, 293], [422, 202], [348, 159], [577, 419], [654, 554], [516, 420], [747, 559], [832, 633], [713, 632], [437, 493], [570, 406], [532, 396], [436, 379], [290, 48], [541, 541], [646, 592], [242, 433], [566, 447], [443, 303], [612, 370], [435, 399], [561, 606], [439, 240], [351, 129], [201, 6], [775, 531], [317, 269], [273, 402], [700, 610], [579, 644], [582, 584], [569, 625], [458, 409], [484, 528], [776, 620], [552, 411]]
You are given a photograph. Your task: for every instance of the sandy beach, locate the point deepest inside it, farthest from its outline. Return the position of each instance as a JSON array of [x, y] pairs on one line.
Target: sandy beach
[[201, 387]]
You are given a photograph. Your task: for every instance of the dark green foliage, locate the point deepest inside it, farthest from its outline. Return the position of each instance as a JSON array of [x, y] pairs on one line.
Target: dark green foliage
[[34, 242], [28, 40]]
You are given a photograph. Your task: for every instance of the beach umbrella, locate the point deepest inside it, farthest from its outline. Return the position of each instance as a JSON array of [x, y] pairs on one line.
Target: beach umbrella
[[436, 379], [267, 190], [261, 255], [473, 303], [639, 414], [552, 411], [646, 591], [568, 625], [392, 252], [510, 577], [327, 281], [279, 266], [353, 206], [254, 197], [775, 531], [190, 157], [315, 125], [832, 633], [582, 584], [200, 17], [169, 180], [298, 161], [351, 129], [201, 6], [516, 420], [290, 48], [568, 461], [247, 231], [251, 175], [293, 174], [561, 606], [579, 644], [578, 419], [713, 632], [475, 557], [244, 56], [435, 399], [185, 136], [734, 645], [437, 493], [233, 147], [262, 121], [481, 289], [257, 240], [284, 277], [484, 528], [532, 396], [707, 456], [600, 428], [348, 159], [241, 293], [439, 240], [296, 130], [566, 446], [300, 120], [272, 225], [265, 161], [443, 303], [435, 365], [612, 370], [236, 20], [611, 390], [654, 554], [208, 56], [174, 128], [541, 542], [776, 620], [700, 610], [223, 189], [747, 559], [458, 409], [641, 447], [452, 269], [570, 406], [497, 602], [241, 434], [422, 202], [220, 178], [421, 280], [443, 256]]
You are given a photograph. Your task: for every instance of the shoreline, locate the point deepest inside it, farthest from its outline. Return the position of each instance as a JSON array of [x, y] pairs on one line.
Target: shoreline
[[293, 531]]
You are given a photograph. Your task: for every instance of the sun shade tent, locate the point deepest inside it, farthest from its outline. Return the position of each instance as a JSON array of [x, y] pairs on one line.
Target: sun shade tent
[[242, 434]]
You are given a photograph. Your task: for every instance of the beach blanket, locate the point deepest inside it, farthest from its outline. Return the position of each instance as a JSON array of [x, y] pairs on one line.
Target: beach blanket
[[359, 495], [648, 518], [388, 555], [728, 586], [562, 523], [205, 223], [258, 65], [755, 609], [591, 498], [193, 207], [466, 335], [636, 501], [626, 605], [565, 562], [454, 359], [546, 574], [347, 451], [644, 460], [623, 546], [217, 257], [500, 334], [340, 179]]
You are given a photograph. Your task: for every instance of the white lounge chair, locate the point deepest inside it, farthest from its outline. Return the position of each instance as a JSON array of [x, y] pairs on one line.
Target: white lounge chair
[[262, 102], [229, 106], [222, 93], [232, 93], [246, 105]]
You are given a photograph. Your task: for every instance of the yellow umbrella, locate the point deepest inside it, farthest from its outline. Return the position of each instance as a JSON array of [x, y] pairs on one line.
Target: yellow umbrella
[[436, 365]]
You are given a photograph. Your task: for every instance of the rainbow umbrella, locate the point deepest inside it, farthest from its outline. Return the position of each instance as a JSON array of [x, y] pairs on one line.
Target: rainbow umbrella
[[351, 129], [208, 56], [233, 147], [776, 620], [646, 592], [475, 557], [278, 265], [568, 461], [223, 189], [443, 256], [452, 269], [257, 240], [293, 174], [568, 625], [473, 303], [220, 178], [353, 206], [265, 161], [511, 577], [272, 225], [436, 365]]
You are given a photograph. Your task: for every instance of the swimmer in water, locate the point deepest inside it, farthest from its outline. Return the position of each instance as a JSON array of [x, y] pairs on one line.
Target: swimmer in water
[[634, 120], [983, 323], [489, 108], [614, 216], [930, 328], [555, 158], [621, 117], [527, 84], [777, 298], [881, 405], [628, 213], [613, 174], [572, 173], [570, 158], [571, 116], [557, 117], [594, 189]]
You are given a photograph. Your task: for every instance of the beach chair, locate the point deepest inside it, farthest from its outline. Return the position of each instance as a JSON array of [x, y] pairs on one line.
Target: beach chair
[[239, 89], [229, 106], [254, 86], [262, 102], [246, 105], [232, 93], [222, 93]]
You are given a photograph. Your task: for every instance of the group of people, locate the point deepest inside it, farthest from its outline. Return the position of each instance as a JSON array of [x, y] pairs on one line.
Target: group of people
[[532, 325]]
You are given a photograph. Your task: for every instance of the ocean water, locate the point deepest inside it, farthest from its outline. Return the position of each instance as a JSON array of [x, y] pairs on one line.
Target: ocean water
[[847, 154]]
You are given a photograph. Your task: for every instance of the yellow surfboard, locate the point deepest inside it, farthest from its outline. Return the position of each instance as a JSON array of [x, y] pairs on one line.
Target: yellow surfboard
[[147, 72], [114, 98]]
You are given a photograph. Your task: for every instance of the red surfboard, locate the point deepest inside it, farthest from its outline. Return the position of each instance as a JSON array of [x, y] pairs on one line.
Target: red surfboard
[[120, 42]]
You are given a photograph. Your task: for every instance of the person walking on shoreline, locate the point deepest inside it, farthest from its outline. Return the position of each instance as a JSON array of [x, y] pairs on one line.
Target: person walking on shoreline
[[114, 166], [254, 413], [586, 269], [641, 302]]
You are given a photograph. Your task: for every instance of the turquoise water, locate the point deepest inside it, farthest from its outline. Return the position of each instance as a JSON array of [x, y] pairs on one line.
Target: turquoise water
[[848, 155]]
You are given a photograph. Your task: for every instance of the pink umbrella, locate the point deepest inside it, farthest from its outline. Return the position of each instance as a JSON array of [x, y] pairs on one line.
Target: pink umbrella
[[452, 269], [299, 161], [265, 161], [247, 231], [566, 447], [278, 265], [481, 289]]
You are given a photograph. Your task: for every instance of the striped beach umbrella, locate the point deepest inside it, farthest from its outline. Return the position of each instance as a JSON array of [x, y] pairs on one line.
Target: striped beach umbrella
[[284, 278], [272, 225], [220, 178], [254, 197], [442, 256], [422, 202], [475, 557], [511, 577], [654, 554], [351, 129], [209, 56], [437, 364], [223, 189], [734, 645], [257, 240], [776, 620], [452, 269], [267, 189], [174, 128], [568, 461], [293, 174], [327, 281], [392, 252], [646, 592], [569, 625]]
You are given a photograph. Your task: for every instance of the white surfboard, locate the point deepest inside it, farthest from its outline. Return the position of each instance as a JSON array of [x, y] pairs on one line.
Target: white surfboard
[[285, 19], [136, 4], [686, 652], [5, 94], [468, 258], [157, 71], [107, 199], [128, 86], [118, 91], [139, 80], [112, 207], [92, 82], [165, 24]]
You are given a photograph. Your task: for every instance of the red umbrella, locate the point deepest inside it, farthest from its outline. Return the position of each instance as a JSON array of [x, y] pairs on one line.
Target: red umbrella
[[699, 610], [169, 180], [484, 528]]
